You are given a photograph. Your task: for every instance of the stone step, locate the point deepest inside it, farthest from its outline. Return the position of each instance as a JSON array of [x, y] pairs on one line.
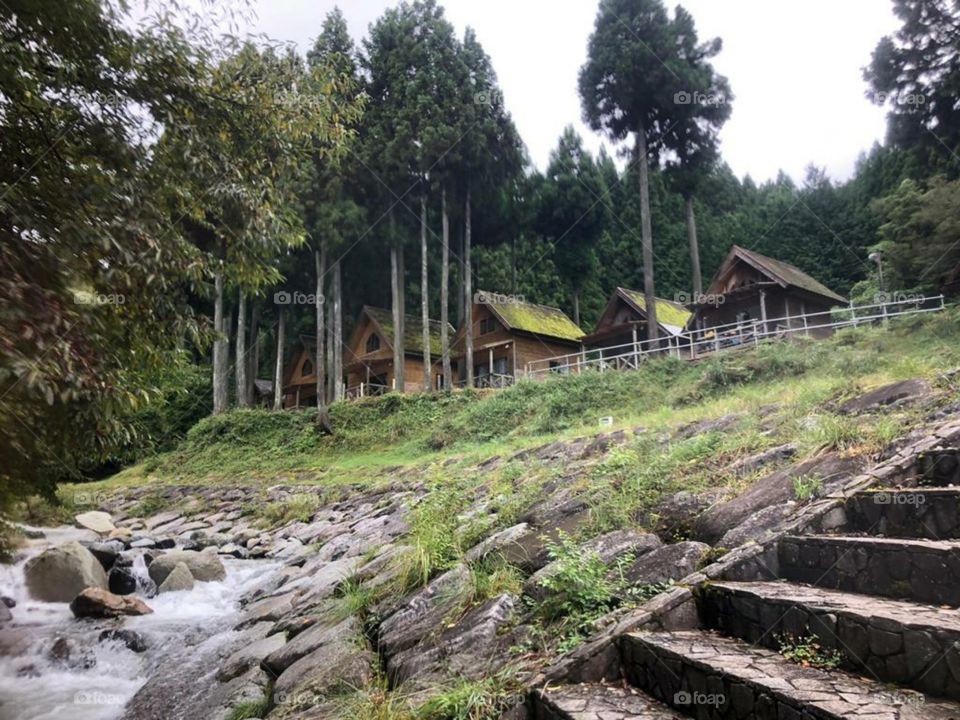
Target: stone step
[[925, 571], [923, 512], [713, 677], [597, 702], [912, 645]]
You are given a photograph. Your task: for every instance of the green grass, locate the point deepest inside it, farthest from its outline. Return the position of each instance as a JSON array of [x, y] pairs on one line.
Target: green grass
[[804, 379]]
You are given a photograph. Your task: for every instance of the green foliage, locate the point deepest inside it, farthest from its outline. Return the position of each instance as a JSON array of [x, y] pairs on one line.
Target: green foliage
[[578, 585], [807, 487], [808, 652], [434, 536], [484, 699], [299, 507], [249, 709]]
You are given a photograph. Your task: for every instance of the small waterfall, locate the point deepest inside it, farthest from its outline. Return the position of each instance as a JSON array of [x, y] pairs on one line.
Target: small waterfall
[[53, 666]]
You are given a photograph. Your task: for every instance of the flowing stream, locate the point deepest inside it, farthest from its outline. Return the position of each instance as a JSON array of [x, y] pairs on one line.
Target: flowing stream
[[99, 678]]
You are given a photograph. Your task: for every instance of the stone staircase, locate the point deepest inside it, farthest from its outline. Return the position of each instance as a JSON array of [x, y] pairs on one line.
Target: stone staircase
[[878, 592]]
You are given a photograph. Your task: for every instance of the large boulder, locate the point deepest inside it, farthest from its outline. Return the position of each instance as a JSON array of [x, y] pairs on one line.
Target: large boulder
[[122, 581], [203, 566], [99, 522], [341, 666], [178, 580], [900, 393], [60, 573], [323, 633], [775, 489], [670, 562], [249, 656], [98, 603]]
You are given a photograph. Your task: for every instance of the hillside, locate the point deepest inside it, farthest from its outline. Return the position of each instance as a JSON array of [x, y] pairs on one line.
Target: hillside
[[448, 553]]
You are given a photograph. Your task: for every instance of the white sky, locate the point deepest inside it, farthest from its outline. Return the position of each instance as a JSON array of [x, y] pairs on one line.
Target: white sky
[[795, 69]]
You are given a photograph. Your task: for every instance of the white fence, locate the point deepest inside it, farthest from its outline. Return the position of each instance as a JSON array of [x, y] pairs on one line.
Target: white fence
[[695, 343]]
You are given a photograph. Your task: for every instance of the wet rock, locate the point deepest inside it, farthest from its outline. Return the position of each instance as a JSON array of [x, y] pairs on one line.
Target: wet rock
[[904, 392], [98, 603], [325, 632], [758, 527], [8, 601], [100, 522], [340, 665], [68, 653], [130, 639], [203, 566], [271, 608], [5, 614], [106, 552], [60, 573], [178, 580], [249, 656], [670, 562], [122, 581], [143, 542]]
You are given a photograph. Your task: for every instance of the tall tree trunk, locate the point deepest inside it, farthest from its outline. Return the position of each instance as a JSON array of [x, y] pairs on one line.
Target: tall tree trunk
[[646, 234], [424, 294], [221, 348], [253, 354], [278, 368], [513, 265], [445, 293], [461, 268], [323, 416], [694, 248], [337, 348], [468, 291], [395, 292], [576, 307], [328, 360], [241, 351]]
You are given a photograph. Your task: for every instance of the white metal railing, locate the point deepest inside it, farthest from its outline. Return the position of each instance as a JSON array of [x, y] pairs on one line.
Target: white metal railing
[[694, 343], [365, 389]]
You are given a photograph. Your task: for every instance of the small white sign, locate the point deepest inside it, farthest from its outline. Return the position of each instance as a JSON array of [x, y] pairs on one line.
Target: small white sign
[[606, 421]]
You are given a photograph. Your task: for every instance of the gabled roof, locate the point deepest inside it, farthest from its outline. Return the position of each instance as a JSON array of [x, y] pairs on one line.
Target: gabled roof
[[412, 330], [671, 315], [531, 318], [781, 272]]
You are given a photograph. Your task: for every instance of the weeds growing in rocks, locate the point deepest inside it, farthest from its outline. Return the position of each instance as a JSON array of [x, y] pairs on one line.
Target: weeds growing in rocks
[[249, 709], [484, 699], [300, 507], [808, 652], [807, 487]]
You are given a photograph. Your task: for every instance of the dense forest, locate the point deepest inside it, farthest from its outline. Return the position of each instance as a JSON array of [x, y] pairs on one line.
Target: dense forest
[[179, 206]]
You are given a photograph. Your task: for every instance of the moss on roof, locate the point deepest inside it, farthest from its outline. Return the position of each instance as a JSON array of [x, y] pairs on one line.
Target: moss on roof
[[788, 274], [412, 331], [536, 319], [668, 312]]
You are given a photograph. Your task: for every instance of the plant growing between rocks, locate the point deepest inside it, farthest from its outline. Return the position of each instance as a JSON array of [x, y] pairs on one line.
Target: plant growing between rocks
[[808, 652]]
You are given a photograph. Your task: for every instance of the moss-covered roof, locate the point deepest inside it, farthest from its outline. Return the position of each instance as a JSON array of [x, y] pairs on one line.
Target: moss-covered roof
[[412, 330], [531, 318], [669, 314], [785, 273]]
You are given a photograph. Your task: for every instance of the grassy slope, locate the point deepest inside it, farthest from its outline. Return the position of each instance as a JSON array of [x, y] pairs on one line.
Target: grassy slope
[[379, 434]]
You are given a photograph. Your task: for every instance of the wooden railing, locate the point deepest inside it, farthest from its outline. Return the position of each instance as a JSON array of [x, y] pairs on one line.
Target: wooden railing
[[365, 390]]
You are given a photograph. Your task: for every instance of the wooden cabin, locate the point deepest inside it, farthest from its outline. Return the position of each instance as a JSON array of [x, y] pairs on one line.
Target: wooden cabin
[[756, 290], [300, 375], [509, 333], [368, 356], [624, 320]]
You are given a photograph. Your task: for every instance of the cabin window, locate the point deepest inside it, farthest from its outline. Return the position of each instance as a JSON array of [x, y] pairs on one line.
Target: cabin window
[[306, 369], [500, 366], [487, 325], [373, 343]]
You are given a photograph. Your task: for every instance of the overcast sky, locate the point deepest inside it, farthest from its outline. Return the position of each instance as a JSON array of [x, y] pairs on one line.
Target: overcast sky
[[795, 69]]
